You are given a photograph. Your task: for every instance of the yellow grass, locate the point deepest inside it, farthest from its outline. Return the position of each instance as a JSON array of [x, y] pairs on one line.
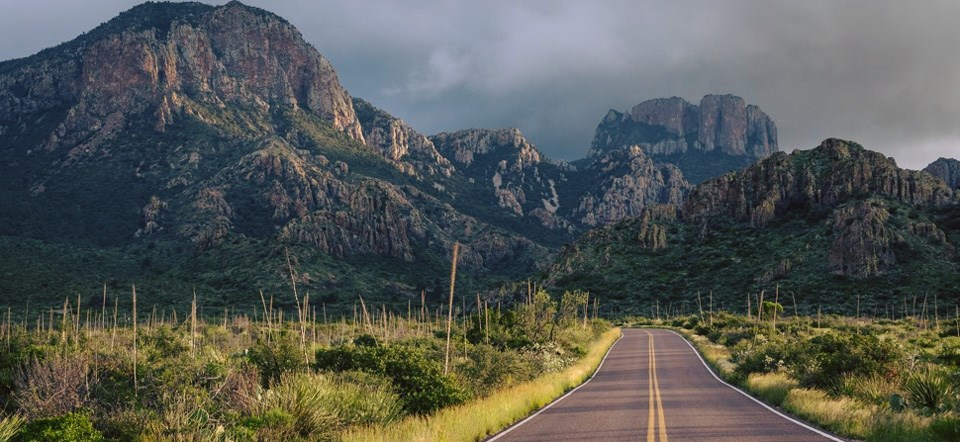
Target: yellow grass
[[484, 417], [771, 387], [842, 414]]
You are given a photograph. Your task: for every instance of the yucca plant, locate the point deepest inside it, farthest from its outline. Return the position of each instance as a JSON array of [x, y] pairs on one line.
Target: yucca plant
[[929, 389]]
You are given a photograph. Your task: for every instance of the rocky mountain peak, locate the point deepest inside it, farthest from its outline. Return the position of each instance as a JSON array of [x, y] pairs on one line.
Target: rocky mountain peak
[[820, 179], [947, 169], [173, 59], [722, 133], [466, 146]]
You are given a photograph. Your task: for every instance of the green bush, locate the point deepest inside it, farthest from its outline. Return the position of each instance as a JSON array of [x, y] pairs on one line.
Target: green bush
[[419, 381], [273, 358], [824, 360], [946, 427], [487, 368], [71, 427]]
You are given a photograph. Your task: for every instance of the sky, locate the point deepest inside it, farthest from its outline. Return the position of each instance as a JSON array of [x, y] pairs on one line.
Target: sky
[[884, 73]]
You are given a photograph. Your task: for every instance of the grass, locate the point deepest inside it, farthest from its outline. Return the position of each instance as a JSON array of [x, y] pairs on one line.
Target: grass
[[485, 417], [771, 387]]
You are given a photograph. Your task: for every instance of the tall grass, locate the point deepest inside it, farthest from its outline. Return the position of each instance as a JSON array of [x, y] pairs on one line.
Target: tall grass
[[771, 387], [487, 416], [10, 426]]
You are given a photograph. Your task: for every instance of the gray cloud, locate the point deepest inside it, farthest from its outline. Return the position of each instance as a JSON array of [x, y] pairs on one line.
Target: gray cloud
[[881, 72]]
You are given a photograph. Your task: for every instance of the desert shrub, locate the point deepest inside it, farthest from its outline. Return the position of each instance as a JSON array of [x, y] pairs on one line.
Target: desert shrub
[[487, 368], [824, 360], [548, 357], [929, 389], [276, 357], [875, 389], [359, 398], [419, 381], [10, 426], [297, 406], [761, 355], [239, 392], [52, 386], [71, 427]]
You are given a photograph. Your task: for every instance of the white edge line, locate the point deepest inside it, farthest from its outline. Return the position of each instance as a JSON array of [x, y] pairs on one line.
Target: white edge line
[[546, 407], [774, 410]]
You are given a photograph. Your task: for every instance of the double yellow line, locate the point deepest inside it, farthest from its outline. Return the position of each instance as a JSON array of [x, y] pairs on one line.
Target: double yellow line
[[655, 417]]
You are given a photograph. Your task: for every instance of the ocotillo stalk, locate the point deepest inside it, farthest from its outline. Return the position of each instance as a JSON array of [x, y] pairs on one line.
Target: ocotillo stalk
[[453, 280], [135, 384]]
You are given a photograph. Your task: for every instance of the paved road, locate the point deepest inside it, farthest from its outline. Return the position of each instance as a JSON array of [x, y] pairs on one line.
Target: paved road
[[653, 387]]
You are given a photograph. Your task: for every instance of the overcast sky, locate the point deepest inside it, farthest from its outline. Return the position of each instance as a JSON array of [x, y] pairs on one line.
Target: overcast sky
[[885, 73]]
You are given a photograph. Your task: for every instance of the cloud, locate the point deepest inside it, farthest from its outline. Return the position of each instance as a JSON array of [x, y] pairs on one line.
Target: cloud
[[882, 72]]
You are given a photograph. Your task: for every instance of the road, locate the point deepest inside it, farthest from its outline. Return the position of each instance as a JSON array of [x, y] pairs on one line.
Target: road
[[653, 386]]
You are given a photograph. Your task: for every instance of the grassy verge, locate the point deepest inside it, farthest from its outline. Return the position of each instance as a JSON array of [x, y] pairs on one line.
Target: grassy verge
[[479, 419], [846, 416]]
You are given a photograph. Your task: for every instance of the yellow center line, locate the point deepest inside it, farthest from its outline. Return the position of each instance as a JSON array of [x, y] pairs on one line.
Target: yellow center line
[[651, 423], [654, 393]]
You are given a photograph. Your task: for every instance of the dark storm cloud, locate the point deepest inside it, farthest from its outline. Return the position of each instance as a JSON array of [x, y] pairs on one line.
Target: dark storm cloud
[[885, 73]]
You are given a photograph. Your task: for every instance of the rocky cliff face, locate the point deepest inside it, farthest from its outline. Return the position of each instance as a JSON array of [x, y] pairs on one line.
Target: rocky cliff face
[[947, 169], [629, 183], [671, 128], [410, 150], [821, 179], [506, 166], [168, 60]]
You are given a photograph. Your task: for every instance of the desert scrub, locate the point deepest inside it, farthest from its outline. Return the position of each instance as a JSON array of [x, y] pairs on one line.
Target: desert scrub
[[418, 380], [480, 418]]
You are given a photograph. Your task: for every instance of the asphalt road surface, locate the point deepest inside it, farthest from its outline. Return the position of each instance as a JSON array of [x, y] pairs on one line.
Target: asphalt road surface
[[654, 387]]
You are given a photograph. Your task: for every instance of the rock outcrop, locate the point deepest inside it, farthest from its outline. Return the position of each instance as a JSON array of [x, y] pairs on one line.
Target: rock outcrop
[[818, 179], [629, 183], [947, 169], [393, 138], [671, 129]]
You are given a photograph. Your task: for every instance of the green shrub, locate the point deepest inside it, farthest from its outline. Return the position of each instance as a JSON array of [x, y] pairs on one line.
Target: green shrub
[[946, 427], [276, 357], [824, 360], [359, 398], [419, 381], [71, 427], [487, 368]]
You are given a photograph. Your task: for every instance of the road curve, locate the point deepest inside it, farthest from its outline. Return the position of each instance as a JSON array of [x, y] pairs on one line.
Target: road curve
[[653, 386]]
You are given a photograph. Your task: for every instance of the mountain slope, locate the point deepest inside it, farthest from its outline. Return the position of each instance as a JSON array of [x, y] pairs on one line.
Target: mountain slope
[[176, 139], [823, 224]]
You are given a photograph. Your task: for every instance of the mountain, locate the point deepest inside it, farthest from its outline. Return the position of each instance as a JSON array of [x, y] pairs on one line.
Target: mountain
[[947, 169], [722, 134], [182, 146], [823, 224]]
